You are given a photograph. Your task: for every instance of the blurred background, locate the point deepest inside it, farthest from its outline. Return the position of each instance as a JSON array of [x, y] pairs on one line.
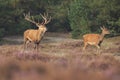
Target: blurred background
[[75, 16]]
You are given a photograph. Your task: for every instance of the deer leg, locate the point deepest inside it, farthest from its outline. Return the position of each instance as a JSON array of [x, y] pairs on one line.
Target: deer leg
[[25, 43], [85, 45], [98, 49], [37, 46], [34, 46], [100, 43], [98, 46]]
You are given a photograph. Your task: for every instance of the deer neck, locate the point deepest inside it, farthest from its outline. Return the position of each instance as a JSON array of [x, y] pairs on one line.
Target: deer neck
[[39, 34], [102, 36]]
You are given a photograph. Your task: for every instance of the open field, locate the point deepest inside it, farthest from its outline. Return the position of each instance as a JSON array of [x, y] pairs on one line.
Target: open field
[[59, 58]]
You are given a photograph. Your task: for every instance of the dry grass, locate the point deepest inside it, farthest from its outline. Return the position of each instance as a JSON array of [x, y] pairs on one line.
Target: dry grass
[[60, 61]]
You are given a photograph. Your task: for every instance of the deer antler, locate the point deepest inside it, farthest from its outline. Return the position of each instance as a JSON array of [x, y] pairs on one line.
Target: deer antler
[[46, 19], [29, 18]]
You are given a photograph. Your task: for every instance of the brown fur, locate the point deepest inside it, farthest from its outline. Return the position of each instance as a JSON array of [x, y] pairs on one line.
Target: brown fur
[[32, 35], [35, 36], [94, 39]]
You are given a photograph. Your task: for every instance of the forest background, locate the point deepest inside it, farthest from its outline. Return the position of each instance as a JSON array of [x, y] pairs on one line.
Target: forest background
[[75, 16]]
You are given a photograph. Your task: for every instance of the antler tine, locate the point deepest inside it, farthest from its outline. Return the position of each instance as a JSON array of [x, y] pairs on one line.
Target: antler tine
[[46, 15], [24, 14], [48, 20], [43, 16], [32, 18], [28, 14]]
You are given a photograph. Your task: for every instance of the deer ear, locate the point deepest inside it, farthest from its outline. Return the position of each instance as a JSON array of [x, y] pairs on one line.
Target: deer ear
[[104, 27], [101, 28]]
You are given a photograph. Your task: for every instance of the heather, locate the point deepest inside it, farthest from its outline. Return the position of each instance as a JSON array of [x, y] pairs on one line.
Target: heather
[[63, 60]]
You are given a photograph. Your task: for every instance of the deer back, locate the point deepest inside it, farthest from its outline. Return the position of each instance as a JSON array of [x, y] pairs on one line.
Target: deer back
[[91, 38], [95, 38]]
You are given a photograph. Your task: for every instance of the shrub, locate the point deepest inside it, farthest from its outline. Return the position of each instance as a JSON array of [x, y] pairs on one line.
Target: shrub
[[78, 13]]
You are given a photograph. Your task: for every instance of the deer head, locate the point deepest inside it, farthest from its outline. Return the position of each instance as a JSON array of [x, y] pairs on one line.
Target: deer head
[[104, 30], [40, 25]]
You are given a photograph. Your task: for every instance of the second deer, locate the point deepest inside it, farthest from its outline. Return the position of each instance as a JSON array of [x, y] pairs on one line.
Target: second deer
[[95, 39], [32, 35]]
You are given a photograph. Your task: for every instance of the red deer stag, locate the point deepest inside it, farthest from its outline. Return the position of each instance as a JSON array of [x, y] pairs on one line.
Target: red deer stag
[[32, 35], [95, 39]]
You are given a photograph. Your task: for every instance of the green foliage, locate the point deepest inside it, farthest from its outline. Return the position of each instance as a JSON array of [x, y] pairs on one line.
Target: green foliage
[[88, 16], [78, 17], [2, 31], [12, 20]]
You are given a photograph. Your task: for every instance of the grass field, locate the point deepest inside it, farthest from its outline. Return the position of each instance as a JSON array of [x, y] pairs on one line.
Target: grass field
[[59, 58]]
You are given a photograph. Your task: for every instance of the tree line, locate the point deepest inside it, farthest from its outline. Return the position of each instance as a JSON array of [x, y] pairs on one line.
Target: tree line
[[76, 16]]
